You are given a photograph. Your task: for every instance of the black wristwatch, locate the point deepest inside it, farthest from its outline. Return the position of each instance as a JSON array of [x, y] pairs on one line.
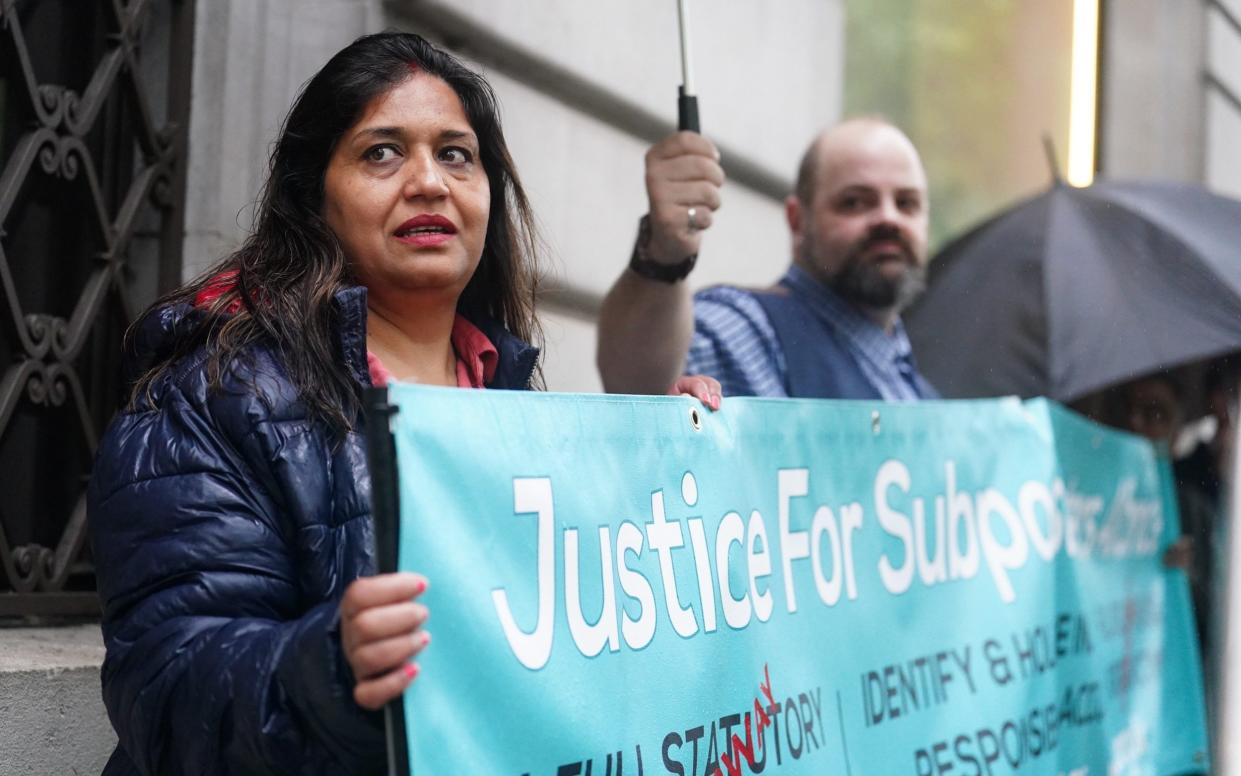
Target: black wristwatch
[[650, 269]]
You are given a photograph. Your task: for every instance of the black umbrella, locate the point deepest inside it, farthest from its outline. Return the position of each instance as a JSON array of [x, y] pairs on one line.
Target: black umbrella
[[1080, 288]]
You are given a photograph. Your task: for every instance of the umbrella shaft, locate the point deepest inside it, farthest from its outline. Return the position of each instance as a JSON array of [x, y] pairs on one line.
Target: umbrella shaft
[[687, 75]]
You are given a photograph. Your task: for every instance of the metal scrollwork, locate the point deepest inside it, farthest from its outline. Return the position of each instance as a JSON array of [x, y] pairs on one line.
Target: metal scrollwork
[[49, 155], [103, 137], [33, 566], [52, 99], [161, 192], [60, 156], [39, 331], [48, 385], [68, 162], [60, 337], [73, 104]]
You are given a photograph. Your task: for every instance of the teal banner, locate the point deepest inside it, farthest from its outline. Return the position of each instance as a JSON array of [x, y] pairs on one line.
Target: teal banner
[[634, 585]]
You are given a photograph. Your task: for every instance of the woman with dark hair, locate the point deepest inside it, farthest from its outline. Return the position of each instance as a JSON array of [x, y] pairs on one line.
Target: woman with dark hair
[[229, 507]]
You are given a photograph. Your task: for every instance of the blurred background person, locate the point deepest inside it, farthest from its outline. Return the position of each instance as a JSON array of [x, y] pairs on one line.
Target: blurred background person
[[1162, 408]]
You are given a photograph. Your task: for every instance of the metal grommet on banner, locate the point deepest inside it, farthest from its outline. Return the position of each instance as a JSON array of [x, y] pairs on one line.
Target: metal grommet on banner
[[695, 418], [874, 422]]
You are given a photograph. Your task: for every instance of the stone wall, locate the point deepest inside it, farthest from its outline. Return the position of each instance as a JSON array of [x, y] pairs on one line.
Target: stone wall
[[1223, 97], [52, 719], [1171, 92], [1151, 117]]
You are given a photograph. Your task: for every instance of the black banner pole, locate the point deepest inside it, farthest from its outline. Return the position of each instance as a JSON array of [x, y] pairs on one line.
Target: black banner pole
[[386, 514]]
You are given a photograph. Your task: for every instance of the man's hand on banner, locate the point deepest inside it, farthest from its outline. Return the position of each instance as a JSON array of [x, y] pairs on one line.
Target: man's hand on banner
[[381, 632], [705, 389]]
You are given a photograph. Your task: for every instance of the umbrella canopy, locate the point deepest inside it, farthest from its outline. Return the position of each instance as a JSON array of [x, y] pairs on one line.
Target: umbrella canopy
[[1077, 289]]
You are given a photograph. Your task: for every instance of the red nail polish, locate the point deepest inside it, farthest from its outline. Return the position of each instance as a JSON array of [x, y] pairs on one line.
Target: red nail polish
[[411, 670], [420, 587]]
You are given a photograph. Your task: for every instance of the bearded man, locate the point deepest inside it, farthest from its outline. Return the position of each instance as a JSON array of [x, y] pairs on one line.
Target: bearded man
[[830, 328]]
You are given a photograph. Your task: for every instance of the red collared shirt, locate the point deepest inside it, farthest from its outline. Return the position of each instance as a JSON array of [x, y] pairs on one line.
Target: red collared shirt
[[476, 355], [476, 358]]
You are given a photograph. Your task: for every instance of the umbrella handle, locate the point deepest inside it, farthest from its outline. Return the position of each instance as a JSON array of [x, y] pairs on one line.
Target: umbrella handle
[[687, 101], [687, 111]]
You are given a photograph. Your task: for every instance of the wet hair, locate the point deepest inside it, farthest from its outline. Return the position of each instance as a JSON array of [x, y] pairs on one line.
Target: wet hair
[[281, 282]]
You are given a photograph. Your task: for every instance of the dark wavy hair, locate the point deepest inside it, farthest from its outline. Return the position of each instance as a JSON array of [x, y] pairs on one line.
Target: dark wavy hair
[[283, 278]]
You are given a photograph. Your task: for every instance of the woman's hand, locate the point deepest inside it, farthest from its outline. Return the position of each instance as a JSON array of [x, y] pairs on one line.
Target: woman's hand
[[705, 389], [381, 630]]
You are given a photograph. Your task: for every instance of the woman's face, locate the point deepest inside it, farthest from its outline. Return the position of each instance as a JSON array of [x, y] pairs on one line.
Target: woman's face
[[406, 193]]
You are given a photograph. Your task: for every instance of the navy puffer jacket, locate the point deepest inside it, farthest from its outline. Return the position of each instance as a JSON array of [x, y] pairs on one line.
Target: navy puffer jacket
[[225, 527]]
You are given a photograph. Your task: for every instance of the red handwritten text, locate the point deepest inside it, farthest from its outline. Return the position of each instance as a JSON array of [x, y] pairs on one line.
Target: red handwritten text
[[732, 760]]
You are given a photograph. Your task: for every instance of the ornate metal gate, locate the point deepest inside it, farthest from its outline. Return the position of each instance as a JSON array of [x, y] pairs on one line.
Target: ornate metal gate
[[93, 107]]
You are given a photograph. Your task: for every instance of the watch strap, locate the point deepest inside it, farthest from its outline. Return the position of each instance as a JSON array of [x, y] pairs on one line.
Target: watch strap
[[642, 264]]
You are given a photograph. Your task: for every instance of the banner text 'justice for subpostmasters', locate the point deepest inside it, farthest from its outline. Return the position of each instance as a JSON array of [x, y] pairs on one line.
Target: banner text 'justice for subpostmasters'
[[945, 537]]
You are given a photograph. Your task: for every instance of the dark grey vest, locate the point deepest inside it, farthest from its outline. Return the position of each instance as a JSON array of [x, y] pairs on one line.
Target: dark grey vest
[[820, 365]]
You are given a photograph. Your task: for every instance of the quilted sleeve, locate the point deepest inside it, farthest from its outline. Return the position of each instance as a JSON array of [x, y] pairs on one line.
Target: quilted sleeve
[[214, 662]]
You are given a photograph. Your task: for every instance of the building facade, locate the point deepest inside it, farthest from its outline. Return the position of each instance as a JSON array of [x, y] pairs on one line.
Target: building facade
[[135, 142]]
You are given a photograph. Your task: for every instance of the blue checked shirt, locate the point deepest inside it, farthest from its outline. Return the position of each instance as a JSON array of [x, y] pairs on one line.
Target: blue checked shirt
[[735, 343]]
